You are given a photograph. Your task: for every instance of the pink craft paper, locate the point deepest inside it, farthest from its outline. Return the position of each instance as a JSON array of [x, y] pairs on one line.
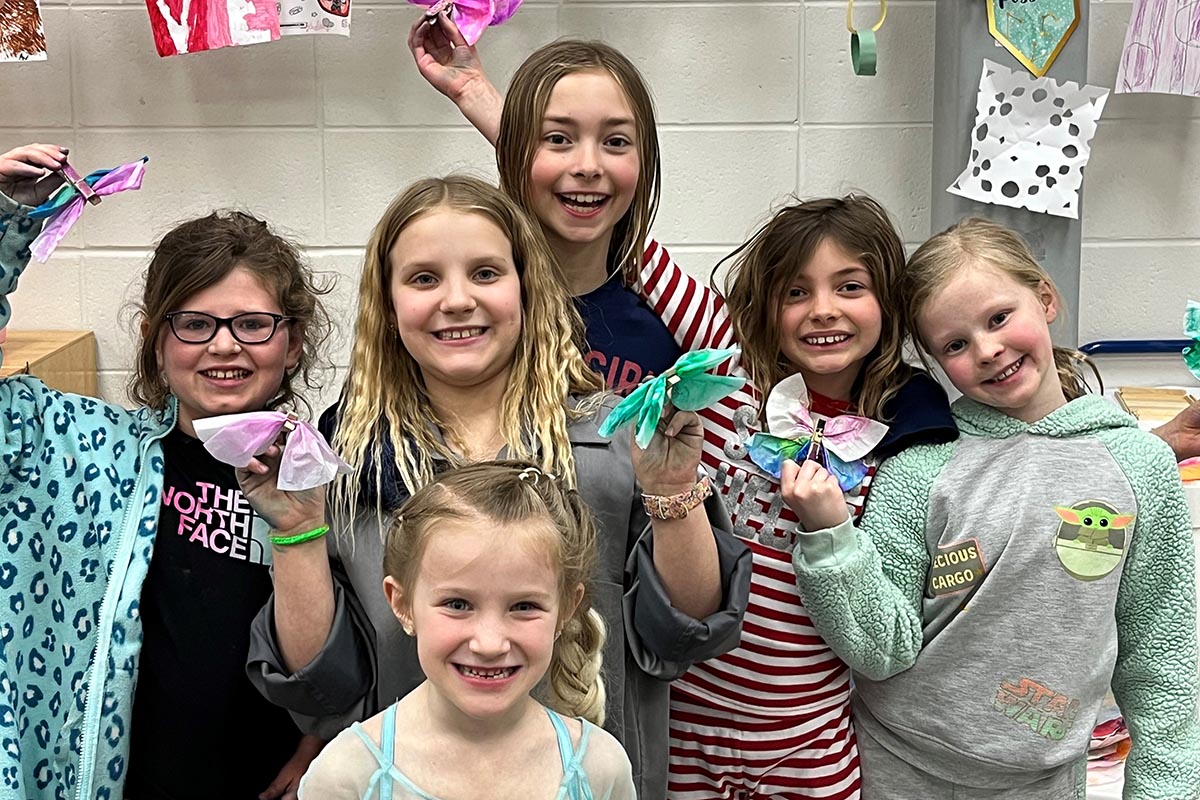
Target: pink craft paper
[[235, 439], [473, 16], [192, 26], [123, 178]]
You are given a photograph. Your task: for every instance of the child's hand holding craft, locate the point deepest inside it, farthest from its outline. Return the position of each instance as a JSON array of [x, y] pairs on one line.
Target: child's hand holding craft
[[27, 174], [813, 493], [670, 464]]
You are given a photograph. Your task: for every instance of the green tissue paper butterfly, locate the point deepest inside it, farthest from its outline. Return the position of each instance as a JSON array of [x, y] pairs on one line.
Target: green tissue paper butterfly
[[687, 385]]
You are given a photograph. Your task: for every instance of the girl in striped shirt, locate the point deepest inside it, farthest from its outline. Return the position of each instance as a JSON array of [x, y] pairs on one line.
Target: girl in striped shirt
[[771, 718]]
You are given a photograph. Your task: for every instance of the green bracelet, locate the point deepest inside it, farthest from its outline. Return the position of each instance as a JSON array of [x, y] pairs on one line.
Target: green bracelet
[[284, 541]]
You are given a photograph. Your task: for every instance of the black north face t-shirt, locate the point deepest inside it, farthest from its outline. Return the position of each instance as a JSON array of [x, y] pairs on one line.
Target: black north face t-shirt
[[199, 728]]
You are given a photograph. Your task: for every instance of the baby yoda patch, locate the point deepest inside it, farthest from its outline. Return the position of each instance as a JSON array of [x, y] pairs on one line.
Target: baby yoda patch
[[957, 566], [1091, 538]]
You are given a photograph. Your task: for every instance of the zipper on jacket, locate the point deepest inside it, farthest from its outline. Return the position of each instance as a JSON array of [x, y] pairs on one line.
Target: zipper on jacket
[[97, 667]]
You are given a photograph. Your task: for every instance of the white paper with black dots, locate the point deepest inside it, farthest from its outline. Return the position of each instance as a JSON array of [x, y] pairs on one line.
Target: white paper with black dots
[[1031, 141]]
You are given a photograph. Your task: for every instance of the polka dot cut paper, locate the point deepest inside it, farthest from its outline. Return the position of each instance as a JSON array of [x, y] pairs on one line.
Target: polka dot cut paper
[[1031, 140]]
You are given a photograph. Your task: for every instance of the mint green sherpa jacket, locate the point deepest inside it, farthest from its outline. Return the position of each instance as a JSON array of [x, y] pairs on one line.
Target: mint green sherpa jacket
[[1000, 583]]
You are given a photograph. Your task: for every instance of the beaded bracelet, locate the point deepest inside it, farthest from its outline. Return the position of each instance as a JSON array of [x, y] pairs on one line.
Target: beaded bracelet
[[284, 541], [677, 506]]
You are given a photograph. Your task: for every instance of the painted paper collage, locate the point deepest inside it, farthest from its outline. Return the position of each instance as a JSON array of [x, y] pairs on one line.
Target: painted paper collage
[[21, 34]]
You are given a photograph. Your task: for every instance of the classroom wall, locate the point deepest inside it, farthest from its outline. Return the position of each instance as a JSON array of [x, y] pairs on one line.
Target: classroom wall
[[755, 100]]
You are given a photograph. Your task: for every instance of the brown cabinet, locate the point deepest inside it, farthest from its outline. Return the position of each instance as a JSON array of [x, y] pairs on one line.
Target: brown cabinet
[[64, 360]]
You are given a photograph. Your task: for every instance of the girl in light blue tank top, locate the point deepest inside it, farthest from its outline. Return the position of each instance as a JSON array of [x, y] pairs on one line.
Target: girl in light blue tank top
[[486, 568]]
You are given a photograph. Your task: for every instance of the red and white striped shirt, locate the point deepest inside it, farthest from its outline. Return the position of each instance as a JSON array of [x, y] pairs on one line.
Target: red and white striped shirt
[[782, 669]]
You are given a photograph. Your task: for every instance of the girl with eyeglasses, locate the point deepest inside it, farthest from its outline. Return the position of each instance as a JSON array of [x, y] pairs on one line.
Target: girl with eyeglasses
[[133, 563]]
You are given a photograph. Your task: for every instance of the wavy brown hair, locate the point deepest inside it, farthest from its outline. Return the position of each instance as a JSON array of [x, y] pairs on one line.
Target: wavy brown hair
[[202, 252], [975, 243], [521, 133], [385, 393], [768, 263], [517, 493]]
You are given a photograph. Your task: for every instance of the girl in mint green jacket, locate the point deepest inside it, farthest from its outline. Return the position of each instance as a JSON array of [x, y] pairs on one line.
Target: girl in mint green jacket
[[230, 323], [1001, 583]]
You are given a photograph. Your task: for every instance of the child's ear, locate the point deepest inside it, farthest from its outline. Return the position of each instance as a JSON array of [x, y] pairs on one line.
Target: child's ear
[[1049, 301], [158, 353], [295, 345], [572, 604], [394, 593]]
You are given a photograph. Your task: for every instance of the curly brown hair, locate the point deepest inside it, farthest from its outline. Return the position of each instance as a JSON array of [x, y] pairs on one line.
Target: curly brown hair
[[767, 264], [202, 252]]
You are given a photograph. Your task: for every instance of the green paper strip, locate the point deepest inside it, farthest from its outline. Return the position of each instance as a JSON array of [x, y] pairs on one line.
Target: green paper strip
[[863, 52]]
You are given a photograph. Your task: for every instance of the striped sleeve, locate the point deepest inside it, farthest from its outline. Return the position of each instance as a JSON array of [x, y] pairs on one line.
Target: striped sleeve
[[694, 314]]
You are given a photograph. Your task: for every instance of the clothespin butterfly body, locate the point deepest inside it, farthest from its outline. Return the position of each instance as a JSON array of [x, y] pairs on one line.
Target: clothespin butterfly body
[[72, 177]]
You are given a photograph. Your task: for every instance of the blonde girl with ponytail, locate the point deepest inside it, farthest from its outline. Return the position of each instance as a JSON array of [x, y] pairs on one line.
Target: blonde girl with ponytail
[[487, 568]]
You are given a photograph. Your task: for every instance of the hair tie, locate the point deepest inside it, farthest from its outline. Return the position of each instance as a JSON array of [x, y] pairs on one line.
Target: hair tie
[[534, 475]]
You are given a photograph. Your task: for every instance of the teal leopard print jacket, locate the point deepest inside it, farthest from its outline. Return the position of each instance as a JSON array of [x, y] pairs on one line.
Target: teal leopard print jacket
[[79, 506]]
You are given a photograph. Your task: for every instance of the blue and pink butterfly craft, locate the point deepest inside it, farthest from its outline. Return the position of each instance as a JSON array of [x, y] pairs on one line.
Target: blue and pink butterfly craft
[[839, 444]]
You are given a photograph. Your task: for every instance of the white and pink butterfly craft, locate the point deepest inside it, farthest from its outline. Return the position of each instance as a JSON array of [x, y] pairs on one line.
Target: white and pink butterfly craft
[[839, 444]]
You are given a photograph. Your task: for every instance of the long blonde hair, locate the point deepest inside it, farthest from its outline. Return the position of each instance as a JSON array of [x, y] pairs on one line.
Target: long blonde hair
[[385, 395], [767, 264], [521, 132], [973, 243], [506, 493]]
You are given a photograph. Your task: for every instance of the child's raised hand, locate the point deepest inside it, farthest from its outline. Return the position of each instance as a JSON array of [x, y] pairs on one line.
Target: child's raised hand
[[444, 58], [27, 173], [670, 463], [813, 494], [286, 512]]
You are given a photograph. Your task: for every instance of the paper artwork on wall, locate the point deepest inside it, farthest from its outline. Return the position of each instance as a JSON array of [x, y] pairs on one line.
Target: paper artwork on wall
[[1034, 31], [1162, 48], [1031, 140], [21, 35], [192, 26], [313, 16]]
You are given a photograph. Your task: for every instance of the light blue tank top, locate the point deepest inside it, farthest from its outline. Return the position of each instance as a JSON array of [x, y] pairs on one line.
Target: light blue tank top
[[574, 784]]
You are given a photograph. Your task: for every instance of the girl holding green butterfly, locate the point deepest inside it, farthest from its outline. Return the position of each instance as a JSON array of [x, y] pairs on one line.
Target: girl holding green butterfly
[[465, 348]]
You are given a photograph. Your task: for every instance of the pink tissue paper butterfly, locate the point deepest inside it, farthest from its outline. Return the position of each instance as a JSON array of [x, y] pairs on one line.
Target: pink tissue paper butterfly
[[471, 16], [307, 462]]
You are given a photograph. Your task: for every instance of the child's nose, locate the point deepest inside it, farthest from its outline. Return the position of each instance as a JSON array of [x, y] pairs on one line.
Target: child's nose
[[989, 349], [490, 639], [458, 297], [587, 160], [223, 341], [823, 305]]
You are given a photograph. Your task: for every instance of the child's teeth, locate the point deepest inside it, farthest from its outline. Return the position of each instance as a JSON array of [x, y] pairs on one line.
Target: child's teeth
[[463, 334], [487, 673], [841, 337]]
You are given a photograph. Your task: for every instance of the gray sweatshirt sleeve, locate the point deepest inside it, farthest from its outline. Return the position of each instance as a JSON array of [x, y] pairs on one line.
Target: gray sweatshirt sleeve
[[338, 686], [862, 587], [665, 642], [1155, 677]]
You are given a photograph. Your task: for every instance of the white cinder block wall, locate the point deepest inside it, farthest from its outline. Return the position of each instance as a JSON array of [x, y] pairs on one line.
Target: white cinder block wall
[[755, 100]]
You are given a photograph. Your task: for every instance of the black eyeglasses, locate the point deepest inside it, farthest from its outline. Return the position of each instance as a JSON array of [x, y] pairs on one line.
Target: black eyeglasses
[[196, 327]]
